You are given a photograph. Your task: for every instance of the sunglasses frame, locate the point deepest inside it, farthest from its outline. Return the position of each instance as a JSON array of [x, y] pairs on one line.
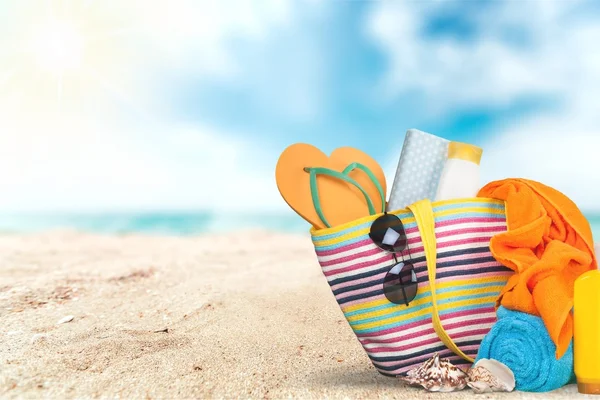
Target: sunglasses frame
[[394, 252]]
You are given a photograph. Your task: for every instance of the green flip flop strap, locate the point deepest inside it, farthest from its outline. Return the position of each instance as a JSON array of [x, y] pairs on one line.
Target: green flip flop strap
[[314, 190], [371, 176]]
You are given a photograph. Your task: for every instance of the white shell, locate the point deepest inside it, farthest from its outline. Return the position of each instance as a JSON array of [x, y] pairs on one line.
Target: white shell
[[437, 375], [488, 376], [66, 319]]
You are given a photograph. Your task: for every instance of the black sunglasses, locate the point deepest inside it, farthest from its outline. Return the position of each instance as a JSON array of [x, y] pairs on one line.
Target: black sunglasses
[[400, 283]]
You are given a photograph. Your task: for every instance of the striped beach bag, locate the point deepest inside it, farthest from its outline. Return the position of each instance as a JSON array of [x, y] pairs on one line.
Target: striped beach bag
[[417, 281]]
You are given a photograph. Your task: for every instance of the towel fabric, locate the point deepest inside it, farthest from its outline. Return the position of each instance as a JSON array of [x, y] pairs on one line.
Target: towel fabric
[[548, 244], [521, 342]]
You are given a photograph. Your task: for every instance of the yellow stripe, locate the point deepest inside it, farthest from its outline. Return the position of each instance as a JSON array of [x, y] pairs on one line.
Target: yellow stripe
[[409, 220], [426, 290], [469, 200], [440, 285], [420, 313], [427, 299]]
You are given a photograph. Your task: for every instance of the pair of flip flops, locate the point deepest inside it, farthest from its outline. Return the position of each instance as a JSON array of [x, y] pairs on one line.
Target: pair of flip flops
[[330, 190]]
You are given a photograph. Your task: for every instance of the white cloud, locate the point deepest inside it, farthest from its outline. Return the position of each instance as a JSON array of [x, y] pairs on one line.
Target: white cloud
[[558, 148], [70, 164], [562, 154], [113, 143], [64, 162], [196, 36], [137, 46], [209, 169], [490, 70]]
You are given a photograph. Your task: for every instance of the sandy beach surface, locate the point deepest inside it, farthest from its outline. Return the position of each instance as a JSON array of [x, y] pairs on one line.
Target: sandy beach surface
[[246, 315]]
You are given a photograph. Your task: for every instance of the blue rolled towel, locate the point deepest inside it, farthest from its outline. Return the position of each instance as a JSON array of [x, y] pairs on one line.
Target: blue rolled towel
[[521, 342]]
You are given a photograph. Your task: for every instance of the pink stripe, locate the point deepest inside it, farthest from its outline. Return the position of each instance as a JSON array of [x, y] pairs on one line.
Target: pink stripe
[[478, 276], [420, 359], [472, 220], [371, 279], [340, 297], [414, 361], [413, 345], [479, 321], [380, 296], [343, 248], [459, 242], [364, 336], [412, 230], [372, 338], [409, 346], [473, 268], [365, 253], [358, 265], [372, 249], [476, 229], [427, 331], [418, 266], [365, 264], [461, 257], [349, 272]]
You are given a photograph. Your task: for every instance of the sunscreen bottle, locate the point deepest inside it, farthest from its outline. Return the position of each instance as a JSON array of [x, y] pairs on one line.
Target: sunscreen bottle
[[586, 334], [460, 176]]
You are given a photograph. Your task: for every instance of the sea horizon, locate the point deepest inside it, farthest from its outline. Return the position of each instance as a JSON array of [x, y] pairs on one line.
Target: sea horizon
[[177, 223]]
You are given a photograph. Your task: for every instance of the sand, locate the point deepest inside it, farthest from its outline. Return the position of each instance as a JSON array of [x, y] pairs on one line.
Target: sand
[[245, 315]]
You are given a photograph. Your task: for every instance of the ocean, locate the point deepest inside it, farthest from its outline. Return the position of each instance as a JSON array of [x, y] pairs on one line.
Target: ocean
[[175, 223], [159, 223]]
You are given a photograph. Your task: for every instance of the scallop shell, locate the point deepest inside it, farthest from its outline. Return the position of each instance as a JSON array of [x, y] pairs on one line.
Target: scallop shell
[[437, 375], [488, 376]]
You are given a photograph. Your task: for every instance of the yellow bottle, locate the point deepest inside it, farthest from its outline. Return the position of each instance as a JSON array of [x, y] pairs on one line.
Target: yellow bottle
[[586, 341]]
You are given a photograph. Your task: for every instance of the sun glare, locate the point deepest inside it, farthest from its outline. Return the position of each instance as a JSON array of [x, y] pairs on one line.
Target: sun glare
[[58, 47], [62, 52]]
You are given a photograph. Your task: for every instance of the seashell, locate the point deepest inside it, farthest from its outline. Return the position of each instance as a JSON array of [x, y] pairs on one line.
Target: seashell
[[66, 319], [488, 376], [437, 375]]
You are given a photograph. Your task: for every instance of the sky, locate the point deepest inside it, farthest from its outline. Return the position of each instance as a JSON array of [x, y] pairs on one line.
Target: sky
[[186, 105]]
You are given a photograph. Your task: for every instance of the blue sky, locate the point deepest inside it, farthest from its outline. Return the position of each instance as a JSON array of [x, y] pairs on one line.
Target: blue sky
[[187, 104]]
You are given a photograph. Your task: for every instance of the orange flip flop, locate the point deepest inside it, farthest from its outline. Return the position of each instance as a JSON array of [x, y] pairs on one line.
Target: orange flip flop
[[337, 182], [345, 155]]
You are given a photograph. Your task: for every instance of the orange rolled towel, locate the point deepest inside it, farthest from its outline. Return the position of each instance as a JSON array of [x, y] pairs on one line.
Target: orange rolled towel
[[548, 244]]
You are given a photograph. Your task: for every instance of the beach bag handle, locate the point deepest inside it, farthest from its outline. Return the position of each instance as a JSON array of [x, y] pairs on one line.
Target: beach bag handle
[[423, 212], [314, 190]]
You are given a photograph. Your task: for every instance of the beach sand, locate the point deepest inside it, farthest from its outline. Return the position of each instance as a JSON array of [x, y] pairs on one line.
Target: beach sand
[[245, 315]]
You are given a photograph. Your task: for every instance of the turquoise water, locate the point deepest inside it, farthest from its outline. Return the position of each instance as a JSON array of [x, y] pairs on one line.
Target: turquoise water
[[189, 223], [171, 223]]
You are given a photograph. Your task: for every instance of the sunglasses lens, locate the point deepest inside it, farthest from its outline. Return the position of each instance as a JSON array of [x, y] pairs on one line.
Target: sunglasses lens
[[387, 232], [400, 284]]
